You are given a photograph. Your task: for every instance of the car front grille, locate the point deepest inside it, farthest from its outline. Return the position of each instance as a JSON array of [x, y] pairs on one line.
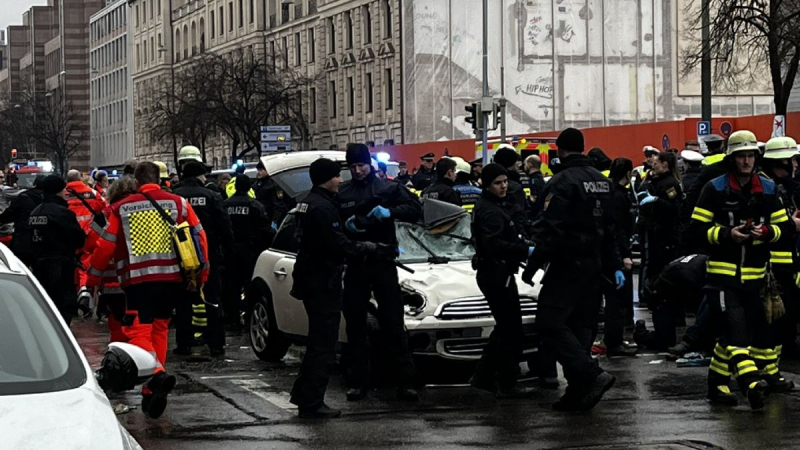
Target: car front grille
[[476, 308]]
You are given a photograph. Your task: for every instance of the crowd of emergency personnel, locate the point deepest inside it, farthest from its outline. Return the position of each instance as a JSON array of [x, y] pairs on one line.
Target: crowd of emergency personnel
[[716, 231]]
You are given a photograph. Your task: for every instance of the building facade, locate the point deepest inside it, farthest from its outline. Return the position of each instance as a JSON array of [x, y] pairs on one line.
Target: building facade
[[111, 109]]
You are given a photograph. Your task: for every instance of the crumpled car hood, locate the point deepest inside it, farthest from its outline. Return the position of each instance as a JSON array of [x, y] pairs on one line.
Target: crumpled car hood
[[444, 282]]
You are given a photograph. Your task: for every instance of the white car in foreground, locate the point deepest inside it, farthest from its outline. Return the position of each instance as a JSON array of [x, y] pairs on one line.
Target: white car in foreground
[[48, 394], [446, 314]]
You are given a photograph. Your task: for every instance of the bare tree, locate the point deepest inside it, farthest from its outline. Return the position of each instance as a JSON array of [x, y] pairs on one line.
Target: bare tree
[[749, 39]]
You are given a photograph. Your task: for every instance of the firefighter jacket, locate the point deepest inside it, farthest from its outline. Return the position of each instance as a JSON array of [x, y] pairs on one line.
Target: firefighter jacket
[[359, 197], [725, 204], [207, 205], [498, 246], [55, 232], [576, 230], [251, 225], [443, 191], [141, 241], [323, 249], [784, 256], [77, 190]]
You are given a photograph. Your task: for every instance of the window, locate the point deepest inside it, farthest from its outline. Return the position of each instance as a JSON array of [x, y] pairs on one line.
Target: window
[[387, 19], [252, 10], [312, 45], [221, 22], [348, 29], [370, 89], [313, 105], [145, 51], [137, 16], [366, 16], [284, 12], [286, 51], [351, 97], [230, 16], [297, 50], [159, 8], [144, 12], [151, 10], [272, 54], [177, 45], [138, 56], [213, 25], [388, 83], [241, 13], [331, 36], [152, 49], [332, 99]]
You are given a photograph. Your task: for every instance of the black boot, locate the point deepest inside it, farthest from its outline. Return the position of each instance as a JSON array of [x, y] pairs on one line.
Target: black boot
[[323, 412], [722, 395], [756, 392], [516, 392], [155, 401], [597, 388], [357, 394]]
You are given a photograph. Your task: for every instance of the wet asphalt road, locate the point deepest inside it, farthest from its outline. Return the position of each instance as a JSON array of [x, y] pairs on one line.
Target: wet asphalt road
[[242, 403]]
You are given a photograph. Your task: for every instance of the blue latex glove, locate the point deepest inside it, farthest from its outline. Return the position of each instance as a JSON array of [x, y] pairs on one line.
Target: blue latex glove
[[380, 213], [648, 199], [530, 251], [350, 225], [619, 277], [274, 226]]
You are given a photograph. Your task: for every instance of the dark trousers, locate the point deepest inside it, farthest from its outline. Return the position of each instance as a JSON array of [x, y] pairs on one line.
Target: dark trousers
[[238, 273], [502, 354], [57, 277], [378, 278], [195, 315], [308, 392], [619, 305], [566, 320]]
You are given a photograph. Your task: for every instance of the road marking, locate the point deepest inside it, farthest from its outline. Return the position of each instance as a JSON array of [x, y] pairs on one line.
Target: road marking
[[222, 377], [261, 389]]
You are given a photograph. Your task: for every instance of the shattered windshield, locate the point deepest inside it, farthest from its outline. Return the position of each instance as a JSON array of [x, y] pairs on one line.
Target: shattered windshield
[[454, 244]]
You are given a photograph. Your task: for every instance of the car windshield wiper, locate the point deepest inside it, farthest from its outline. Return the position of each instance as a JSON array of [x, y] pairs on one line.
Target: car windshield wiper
[[434, 258]]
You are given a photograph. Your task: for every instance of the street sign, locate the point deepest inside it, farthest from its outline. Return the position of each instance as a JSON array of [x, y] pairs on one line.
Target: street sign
[[276, 128], [703, 128], [665, 143], [275, 147], [726, 128], [779, 126], [275, 137]]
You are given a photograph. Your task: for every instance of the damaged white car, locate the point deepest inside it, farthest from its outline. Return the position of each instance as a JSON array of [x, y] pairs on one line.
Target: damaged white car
[[446, 314]]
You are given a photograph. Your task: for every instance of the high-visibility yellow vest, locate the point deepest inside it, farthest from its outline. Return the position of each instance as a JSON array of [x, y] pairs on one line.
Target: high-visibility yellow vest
[[713, 159], [230, 189]]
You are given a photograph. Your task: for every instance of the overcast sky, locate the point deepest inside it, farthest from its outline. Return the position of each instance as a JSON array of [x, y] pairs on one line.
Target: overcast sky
[[11, 11]]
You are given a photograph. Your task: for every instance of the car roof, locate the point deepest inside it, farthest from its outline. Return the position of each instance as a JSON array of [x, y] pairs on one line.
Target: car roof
[[8, 262], [277, 163]]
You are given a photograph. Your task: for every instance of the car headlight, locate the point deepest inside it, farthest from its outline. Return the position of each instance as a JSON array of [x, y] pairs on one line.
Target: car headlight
[[414, 301]]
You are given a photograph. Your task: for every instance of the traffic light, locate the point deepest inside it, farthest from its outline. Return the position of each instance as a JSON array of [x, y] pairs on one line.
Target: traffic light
[[13, 153], [475, 116]]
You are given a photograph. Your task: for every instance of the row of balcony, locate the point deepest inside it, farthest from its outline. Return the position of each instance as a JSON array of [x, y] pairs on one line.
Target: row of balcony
[[188, 9]]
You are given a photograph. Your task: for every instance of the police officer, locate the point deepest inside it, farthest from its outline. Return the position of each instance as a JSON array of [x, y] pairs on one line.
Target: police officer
[[498, 254], [426, 175], [713, 166], [442, 188], [533, 167], [214, 219], [739, 219], [252, 234], [403, 177], [575, 235], [508, 158], [55, 238], [693, 163], [18, 213], [467, 192], [275, 200], [318, 283], [369, 206]]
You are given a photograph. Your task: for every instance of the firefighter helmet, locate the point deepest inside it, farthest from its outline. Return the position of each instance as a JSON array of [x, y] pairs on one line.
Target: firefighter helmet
[[163, 173], [781, 148], [189, 153], [461, 165], [742, 141]]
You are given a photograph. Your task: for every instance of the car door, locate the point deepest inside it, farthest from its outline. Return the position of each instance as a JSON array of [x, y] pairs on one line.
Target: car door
[[289, 311]]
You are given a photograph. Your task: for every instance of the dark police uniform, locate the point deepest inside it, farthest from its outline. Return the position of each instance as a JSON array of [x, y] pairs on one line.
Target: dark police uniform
[[443, 191], [403, 179], [214, 219], [498, 254], [535, 197], [575, 235], [55, 238], [252, 233], [423, 178], [276, 201], [517, 203], [660, 227], [19, 212], [690, 177], [619, 302], [376, 276], [318, 283]]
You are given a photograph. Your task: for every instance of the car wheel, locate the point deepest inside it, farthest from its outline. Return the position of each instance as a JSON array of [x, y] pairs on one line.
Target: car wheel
[[268, 343]]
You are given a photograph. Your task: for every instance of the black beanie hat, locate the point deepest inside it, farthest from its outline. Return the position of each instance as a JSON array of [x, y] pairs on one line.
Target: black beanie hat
[[490, 172], [357, 153], [324, 169], [506, 157], [52, 184], [194, 169], [570, 140], [243, 184]]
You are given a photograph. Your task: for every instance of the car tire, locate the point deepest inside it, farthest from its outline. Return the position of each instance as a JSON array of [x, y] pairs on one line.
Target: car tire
[[268, 343]]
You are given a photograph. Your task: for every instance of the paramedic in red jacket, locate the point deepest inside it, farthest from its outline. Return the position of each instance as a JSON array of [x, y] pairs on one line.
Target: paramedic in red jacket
[[85, 202], [140, 241]]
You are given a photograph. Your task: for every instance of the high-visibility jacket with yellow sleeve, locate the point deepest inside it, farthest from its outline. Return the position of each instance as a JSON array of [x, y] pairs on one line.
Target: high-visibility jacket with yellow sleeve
[[724, 205], [141, 241]]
